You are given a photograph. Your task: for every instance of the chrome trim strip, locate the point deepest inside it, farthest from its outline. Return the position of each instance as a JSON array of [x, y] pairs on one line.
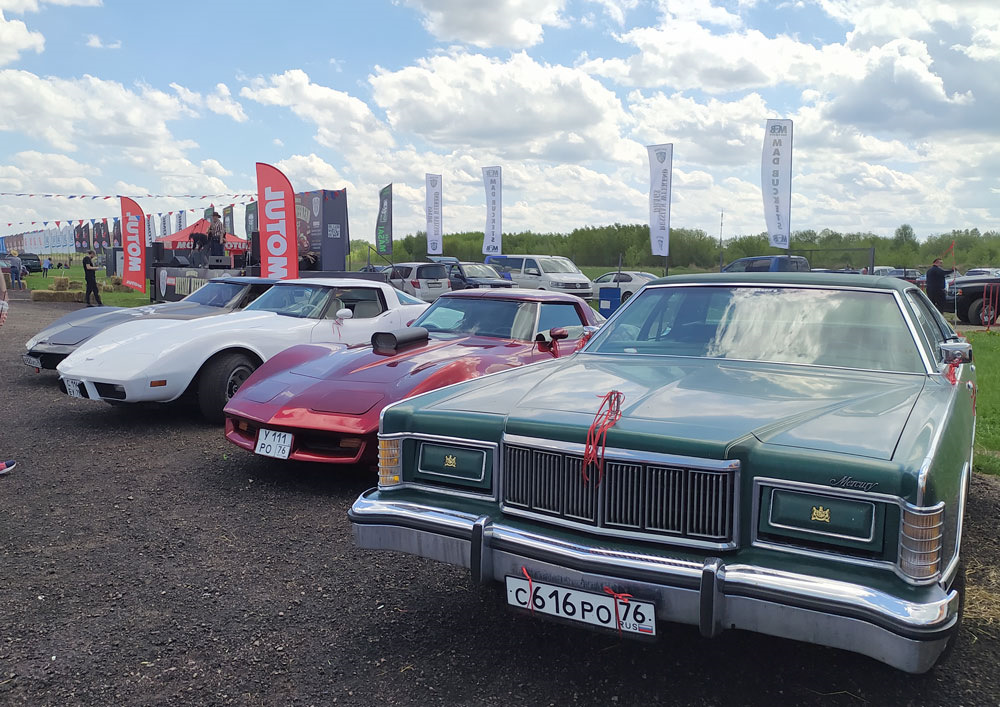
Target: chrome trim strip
[[627, 455], [948, 575], [770, 515]]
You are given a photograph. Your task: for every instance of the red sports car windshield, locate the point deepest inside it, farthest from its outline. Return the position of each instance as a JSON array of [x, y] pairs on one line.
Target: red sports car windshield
[[501, 319]]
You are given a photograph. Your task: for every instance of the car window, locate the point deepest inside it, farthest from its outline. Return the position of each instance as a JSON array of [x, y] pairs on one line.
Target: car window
[[216, 294], [736, 266], [432, 272], [256, 291], [550, 265], [801, 265], [624, 277], [400, 272], [364, 302], [933, 327], [530, 263], [605, 278], [405, 298], [449, 317], [781, 324], [558, 314], [480, 270], [303, 301], [514, 263]]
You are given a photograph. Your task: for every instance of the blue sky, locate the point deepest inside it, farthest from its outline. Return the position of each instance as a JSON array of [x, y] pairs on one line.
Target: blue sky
[[894, 103]]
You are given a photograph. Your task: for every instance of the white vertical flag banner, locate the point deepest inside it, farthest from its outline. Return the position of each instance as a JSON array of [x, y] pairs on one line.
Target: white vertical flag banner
[[492, 234], [434, 227], [165, 225], [661, 158], [182, 221], [150, 229], [776, 181]]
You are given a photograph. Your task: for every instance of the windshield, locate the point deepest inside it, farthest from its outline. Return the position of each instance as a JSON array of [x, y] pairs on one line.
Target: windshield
[[551, 265], [464, 316], [304, 301], [780, 324], [216, 294], [480, 270]]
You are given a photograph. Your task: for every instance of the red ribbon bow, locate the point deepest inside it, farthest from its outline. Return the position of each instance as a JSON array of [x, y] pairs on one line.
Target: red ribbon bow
[[618, 596], [607, 415]]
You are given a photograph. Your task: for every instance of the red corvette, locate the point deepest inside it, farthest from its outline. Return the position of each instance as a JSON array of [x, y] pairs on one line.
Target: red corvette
[[321, 403]]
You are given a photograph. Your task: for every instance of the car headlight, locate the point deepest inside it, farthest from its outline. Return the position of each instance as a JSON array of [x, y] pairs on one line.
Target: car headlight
[[390, 462]]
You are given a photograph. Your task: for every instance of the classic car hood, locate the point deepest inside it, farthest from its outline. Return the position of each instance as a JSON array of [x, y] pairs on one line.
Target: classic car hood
[[149, 335], [352, 381], [706, 405], [70, 331]]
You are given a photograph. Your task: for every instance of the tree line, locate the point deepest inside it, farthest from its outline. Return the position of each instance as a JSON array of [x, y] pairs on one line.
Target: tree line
[[694, 249]]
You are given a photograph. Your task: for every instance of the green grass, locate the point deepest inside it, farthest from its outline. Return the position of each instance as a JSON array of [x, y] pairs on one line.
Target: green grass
[[986, 350], [75, 274]]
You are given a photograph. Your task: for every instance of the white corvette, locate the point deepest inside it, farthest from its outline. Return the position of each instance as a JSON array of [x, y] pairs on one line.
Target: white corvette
[[161, 360]]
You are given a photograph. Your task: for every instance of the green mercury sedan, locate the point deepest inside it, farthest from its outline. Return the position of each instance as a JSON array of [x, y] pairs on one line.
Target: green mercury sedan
[[787, 453]]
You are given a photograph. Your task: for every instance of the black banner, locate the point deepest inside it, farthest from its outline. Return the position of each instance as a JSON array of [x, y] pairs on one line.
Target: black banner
[[383, 224], [250, 218], [227, 219]]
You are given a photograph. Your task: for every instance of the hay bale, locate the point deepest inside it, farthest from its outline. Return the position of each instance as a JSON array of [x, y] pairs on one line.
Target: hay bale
[[60, 283], [115, 281], [75, 285], [56, 296]]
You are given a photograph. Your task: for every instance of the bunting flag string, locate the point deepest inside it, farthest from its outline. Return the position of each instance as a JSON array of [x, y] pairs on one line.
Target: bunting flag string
[[132, 196], [44, 223]]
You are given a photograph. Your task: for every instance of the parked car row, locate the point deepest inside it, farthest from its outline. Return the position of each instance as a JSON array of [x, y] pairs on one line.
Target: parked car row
[[788, 453]]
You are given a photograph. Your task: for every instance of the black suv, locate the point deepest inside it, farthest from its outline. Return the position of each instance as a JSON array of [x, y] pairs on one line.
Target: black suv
[[973, 304]]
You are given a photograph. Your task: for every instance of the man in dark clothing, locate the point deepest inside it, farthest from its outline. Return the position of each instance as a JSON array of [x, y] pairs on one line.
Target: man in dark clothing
[[935, 284], [216, 235], [89, 273]]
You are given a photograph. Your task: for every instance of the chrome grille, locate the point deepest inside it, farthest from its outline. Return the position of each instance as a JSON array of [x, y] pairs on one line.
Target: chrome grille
[[633, 498]]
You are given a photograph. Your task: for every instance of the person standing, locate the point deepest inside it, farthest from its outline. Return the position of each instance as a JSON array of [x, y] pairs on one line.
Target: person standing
[[16, 281], [935, 284], [216, 235], [46, 264], [90, 274]]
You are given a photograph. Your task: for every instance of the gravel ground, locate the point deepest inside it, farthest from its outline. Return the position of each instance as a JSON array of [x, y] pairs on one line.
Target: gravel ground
[[147, 561]]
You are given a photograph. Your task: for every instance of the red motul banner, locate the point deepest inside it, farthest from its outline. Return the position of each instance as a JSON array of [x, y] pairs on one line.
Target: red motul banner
[[134, 244], [279, 245]]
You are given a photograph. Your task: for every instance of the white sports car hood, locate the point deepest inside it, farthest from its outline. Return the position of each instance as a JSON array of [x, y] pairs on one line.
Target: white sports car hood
[[132, 345]]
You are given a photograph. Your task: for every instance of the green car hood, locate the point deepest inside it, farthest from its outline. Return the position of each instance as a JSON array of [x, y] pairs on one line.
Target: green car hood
[[699, 406]]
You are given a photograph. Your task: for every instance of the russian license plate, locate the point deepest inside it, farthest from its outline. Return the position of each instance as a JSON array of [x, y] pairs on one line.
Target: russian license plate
[[434, 284], [73, 388], [32, 361], [271, 443], [632, 616]]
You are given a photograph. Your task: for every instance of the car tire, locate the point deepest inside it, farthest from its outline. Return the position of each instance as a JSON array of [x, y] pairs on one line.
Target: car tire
[[625, 296], [980, 314], [219, 380]]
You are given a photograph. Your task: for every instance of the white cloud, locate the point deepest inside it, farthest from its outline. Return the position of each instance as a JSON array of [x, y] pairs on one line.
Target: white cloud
[[342, 121], [499, 23], [95, 42], [519, 108], [616, 9], [47, 173], [277, 142], [15, 38], [22, 6], [221, 102]]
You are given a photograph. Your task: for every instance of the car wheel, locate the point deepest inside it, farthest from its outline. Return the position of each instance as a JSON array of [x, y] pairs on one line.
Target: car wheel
[[219, 380], [981, 313], [625, 296]]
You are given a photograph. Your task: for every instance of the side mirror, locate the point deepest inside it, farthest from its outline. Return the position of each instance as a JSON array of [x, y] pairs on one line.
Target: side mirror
[[532, 271], [344, 313], [955, 352], [558, 333]]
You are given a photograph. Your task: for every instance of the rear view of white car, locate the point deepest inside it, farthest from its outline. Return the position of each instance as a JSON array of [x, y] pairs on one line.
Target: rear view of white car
[[425, 281], [628, 281]]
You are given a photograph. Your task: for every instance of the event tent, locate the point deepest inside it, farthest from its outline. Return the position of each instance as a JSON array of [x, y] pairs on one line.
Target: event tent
[[182, 239]]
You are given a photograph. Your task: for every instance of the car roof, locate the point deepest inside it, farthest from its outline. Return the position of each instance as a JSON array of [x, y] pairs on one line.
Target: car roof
[[831, 279], [245, 280], [511, 293], [334, 282]]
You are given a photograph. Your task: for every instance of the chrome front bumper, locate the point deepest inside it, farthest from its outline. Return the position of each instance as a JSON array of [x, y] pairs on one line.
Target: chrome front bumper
[[711, 594]]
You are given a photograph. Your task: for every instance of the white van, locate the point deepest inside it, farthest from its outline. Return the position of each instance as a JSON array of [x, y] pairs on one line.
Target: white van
[[544, 272]]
